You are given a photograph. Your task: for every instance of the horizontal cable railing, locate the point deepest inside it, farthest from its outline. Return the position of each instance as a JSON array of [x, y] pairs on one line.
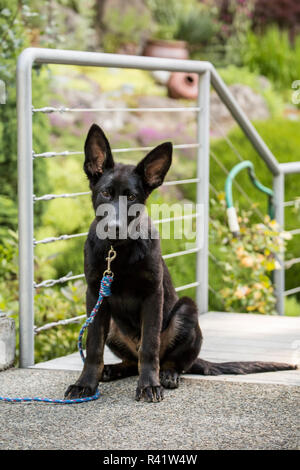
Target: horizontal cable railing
[[292, 203], [296, 231], [67, 321], [64, 153], [79, 318], [289, 168], [295, 290], [49, 197], [288, 264], [67, 153], [61, 280], [69, 277], [57, 239], [174, 219], [188, 181], [64, 109], [84, 234], [181, 253], [187, 286]]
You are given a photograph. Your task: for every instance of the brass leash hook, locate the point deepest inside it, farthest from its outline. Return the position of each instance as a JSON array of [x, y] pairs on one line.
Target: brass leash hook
[[110, 257]]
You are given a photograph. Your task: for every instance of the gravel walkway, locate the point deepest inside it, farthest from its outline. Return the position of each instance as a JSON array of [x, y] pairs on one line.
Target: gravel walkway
[[199, 415]]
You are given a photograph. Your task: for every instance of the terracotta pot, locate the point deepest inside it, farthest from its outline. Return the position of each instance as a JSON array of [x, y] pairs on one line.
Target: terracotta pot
[[183, 85], [166, 49]]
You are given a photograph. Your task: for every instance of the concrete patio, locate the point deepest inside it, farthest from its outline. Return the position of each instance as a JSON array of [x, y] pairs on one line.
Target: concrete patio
[[258, 411]]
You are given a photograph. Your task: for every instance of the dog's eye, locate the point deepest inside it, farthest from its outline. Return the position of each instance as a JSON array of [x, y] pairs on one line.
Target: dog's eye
[[105, 194], [131, 197]]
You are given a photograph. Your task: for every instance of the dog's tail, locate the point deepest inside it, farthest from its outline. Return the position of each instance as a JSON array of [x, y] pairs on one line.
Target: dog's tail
[[246, 367]]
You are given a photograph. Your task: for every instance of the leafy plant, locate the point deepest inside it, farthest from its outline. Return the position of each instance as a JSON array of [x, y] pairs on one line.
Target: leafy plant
[[286, 14], [292, 306], [188, 21], [14, 37], [247, 262], [272, 55], [240, 26], [8, 257], [124, 27], [166, 16], [52, 305], [8, 215], [8, 273], [196, 27]]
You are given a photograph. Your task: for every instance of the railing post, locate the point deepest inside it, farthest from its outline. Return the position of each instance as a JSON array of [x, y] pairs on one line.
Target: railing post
[[25, 196], [279, 274], [203, 191]]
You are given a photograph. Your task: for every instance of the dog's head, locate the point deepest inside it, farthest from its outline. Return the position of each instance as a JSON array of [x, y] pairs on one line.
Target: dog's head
[[116, 188]]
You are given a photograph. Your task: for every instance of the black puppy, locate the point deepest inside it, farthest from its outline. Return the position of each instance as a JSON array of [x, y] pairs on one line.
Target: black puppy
[[155, 334]]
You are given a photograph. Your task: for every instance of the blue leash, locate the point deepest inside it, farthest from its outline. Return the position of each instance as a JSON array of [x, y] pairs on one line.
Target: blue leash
[[103, 292]]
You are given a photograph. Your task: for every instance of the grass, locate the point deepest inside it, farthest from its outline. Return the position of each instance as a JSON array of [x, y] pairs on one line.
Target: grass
[[292, 307]]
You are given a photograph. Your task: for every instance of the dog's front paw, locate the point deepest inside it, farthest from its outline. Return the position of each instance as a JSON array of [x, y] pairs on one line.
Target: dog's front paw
[[79, 391], [150, 394]]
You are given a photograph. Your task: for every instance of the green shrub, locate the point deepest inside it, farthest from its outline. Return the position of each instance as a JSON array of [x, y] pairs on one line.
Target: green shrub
[[124, 27], [8, 257], [52, 305], [8, 274], [272, 55], [8, 215], [246, 262], [14, 38], [292, 306], [235, 34], [196, 27], [187, 21]]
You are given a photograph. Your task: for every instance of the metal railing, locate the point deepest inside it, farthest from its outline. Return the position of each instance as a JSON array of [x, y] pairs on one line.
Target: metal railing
[[285, 169], [207, 77]]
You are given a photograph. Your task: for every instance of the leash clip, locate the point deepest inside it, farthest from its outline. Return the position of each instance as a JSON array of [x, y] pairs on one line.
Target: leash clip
[[111, 256]]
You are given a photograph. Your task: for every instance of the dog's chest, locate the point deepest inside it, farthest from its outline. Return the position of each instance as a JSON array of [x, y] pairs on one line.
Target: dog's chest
[[125, 310], [126, 301]]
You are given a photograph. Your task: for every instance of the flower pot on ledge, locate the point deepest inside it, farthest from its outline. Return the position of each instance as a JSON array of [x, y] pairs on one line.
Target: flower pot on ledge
[[168, 49]]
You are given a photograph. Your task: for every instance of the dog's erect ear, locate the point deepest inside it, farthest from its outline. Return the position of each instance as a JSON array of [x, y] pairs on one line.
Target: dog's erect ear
[[154, 167], [98, 156]]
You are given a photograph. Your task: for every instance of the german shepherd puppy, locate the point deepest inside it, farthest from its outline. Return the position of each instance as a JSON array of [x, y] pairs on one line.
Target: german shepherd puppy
[[154, 333]]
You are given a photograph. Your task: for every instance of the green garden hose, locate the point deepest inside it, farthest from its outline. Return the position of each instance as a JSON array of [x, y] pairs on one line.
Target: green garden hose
[[231, 212]]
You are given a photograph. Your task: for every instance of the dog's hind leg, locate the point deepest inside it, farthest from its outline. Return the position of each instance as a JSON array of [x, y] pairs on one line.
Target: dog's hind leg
[[180, 342], [180, 346], [119, 371], [124, 348]]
